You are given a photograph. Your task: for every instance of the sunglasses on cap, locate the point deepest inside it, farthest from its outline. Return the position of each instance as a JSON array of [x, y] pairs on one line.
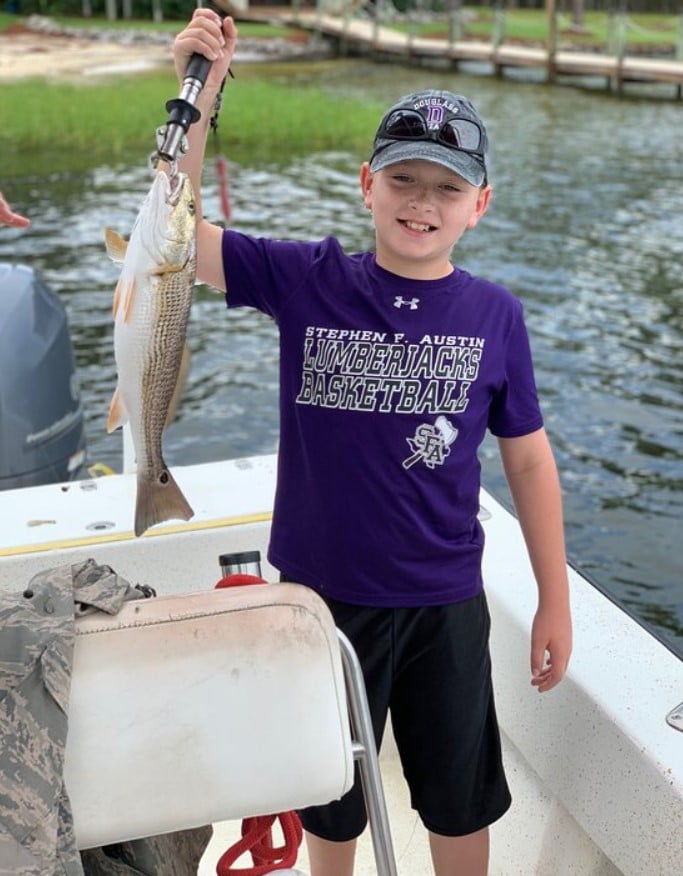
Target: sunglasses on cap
[[465, 135]]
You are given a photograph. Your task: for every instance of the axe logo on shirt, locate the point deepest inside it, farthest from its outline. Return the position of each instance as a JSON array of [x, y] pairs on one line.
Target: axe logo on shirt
[[431, 444]]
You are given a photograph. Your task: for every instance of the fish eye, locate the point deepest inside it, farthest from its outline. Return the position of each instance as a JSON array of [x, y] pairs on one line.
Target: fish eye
[[191, 207]]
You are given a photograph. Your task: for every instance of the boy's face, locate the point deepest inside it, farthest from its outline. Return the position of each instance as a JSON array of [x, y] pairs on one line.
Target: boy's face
[[420, 211]]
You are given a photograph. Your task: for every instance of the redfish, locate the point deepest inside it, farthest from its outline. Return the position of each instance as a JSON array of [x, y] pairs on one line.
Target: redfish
[[151, 310]]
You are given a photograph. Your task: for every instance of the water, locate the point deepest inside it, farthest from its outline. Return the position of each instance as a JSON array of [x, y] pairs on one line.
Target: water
[[586, 227]]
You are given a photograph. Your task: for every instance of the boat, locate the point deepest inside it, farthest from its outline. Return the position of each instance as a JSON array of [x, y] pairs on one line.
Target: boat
[[595, 766]]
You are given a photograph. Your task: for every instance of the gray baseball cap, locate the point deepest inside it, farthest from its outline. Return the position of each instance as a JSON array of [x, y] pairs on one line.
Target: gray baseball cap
[[436, 126]]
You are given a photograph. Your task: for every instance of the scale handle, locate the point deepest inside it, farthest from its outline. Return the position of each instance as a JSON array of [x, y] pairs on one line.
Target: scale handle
[[182, 110], [198, 69]]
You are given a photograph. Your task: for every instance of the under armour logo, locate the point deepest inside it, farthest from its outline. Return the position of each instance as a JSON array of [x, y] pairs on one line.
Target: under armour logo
[[412, 304]]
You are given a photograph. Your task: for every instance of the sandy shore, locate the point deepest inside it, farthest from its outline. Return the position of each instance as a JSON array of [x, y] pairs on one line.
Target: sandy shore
[[25, 53], [65, 57]]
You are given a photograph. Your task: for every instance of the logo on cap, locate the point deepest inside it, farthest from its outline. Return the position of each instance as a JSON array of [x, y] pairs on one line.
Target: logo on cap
[[435, 113]]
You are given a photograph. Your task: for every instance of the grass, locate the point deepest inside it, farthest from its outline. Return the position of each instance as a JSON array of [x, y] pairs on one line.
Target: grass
[[246, 28], [115, 120], [531, 25], [96, 23], [656, 30]]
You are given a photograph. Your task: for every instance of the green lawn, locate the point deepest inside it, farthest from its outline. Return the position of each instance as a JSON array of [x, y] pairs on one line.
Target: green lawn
[[531, 25], [246, 28], [114, 120]]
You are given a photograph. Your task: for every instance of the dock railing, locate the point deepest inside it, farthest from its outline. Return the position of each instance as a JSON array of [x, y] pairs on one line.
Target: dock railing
[[418, 33]]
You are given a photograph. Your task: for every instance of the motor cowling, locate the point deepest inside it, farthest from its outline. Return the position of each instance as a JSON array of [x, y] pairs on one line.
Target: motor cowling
[[42, 436]]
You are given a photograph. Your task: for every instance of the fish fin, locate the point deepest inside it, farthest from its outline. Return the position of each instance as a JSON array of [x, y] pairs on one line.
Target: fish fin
[[116, 245], [117, 412], [159, 499], [117, 299], [183, 371], [129, 300]]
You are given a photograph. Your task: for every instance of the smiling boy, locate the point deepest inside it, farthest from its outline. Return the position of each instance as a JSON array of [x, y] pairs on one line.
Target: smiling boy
[[393, 365], [423, 194]]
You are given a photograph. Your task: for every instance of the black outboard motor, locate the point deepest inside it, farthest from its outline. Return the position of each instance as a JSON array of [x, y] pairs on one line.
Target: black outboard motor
[[42, 438]]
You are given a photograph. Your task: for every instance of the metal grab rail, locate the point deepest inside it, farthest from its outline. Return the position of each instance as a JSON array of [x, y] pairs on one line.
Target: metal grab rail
[[365, 752]]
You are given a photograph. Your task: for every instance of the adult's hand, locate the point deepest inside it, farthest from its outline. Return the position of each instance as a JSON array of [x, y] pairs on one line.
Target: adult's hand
[[8, 217]]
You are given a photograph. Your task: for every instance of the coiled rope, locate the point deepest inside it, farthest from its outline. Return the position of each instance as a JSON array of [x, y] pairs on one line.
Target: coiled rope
[[258, 840]]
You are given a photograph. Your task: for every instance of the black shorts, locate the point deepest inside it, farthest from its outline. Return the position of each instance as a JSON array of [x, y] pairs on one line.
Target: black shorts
[[431, 667]]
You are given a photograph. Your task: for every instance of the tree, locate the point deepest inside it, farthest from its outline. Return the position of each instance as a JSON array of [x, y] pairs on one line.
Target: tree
[[577, 14]]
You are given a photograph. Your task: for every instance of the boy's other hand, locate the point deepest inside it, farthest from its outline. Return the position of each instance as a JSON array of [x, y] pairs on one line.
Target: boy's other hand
[[551, 647]]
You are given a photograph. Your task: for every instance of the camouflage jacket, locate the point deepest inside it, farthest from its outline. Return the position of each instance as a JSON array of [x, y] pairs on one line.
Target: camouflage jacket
[[37, 634]]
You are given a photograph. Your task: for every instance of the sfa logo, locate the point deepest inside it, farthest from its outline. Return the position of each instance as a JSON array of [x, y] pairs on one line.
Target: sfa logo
[[431, 444]]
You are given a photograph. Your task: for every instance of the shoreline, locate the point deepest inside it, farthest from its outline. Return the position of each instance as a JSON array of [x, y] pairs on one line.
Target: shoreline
[[52, 52], [39, 47]]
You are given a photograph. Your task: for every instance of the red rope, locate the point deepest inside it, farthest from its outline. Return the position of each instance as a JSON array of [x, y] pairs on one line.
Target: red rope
[[223, 187], [257, 837]]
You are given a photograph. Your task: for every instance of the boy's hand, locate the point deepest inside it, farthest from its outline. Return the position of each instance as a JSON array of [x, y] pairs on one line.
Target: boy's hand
[[551, 647], [207, 35]]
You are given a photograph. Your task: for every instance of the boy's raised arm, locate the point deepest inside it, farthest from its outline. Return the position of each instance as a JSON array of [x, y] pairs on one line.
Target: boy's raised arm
[[534, 483], [207, 35]]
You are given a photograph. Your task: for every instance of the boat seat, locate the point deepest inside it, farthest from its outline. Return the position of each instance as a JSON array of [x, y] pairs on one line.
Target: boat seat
[[212, 706], [187, 710]]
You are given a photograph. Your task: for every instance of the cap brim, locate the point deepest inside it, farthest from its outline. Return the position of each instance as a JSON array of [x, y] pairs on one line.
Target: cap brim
[[462, 163]]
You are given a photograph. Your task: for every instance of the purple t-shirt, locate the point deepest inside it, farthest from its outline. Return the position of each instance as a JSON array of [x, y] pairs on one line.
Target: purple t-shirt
[[387, 387]]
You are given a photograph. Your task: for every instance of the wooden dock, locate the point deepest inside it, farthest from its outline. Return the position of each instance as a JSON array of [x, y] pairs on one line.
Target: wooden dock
[[362, 35]]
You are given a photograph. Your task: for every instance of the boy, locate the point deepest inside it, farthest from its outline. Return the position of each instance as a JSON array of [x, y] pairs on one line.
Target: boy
[[393, 365]]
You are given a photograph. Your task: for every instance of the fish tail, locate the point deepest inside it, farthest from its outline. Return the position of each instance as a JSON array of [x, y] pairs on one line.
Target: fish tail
[[159, 499]]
